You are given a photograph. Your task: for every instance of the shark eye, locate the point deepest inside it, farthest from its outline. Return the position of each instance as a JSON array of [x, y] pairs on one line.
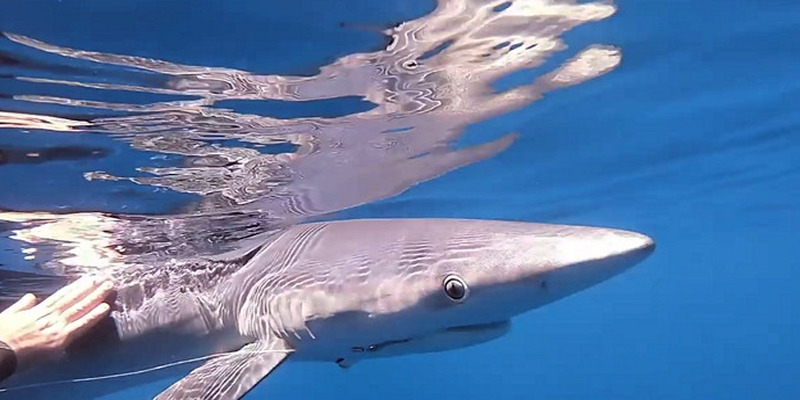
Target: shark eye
[[455, 288]]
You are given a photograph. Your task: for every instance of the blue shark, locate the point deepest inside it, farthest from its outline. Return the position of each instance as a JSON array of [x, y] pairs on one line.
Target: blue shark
[[339, 292]]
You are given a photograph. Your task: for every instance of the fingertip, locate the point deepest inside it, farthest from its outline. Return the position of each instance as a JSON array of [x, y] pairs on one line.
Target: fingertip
[[28, 299], [97, 314], [104, 307], [25, 302]]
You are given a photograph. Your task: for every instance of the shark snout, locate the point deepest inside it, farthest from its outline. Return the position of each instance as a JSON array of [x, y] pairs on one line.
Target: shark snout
[[599, 256], [629, 248]]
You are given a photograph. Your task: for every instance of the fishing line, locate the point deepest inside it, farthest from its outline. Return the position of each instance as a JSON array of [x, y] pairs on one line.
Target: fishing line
[[141, 371]]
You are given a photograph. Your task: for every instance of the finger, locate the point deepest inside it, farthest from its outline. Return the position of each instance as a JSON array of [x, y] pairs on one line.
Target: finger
[[69, 294], [25, 303], [51, 300], [78, 327], [89, 302]]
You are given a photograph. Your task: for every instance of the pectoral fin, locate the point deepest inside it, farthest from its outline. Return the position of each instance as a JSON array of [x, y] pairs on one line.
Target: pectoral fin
[[231, 376]]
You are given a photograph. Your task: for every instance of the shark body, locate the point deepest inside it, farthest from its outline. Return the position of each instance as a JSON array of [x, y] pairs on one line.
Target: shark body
[[340, 292]]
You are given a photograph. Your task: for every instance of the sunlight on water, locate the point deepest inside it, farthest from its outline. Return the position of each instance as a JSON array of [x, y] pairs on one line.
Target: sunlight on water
[[433, 80]]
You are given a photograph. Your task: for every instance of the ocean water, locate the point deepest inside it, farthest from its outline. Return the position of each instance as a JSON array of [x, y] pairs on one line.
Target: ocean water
[[121, 120]]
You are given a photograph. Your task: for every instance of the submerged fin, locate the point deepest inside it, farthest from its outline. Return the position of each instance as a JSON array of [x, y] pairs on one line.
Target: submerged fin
[[345, 363], [231, 376]]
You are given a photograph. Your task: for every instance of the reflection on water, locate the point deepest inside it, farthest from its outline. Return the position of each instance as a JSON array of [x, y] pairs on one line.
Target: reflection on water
[[252, 173]]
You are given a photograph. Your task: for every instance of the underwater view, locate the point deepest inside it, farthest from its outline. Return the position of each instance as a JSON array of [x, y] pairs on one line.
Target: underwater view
[[403, 199]]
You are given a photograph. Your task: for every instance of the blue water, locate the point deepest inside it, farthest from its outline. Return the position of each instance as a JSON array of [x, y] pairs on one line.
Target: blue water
[[694, 140]]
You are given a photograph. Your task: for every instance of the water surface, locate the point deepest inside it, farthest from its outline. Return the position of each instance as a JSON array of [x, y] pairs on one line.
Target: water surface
[[141, 133]]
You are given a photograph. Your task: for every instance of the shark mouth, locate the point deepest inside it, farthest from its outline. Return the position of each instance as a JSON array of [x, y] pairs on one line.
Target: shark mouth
[[479, 327], [463, 328], [379, 346]]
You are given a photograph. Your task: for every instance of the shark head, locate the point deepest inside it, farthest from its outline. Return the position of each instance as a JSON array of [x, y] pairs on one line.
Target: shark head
[[459, 284]]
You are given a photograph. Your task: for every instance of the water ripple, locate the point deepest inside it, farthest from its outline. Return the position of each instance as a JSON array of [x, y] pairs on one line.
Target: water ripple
[[255, 173]]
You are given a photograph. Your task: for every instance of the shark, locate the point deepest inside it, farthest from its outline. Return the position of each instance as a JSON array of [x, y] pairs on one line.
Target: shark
[[338, 292]]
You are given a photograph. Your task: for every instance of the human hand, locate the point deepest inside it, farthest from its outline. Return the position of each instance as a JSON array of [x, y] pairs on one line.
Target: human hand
[[45, 329]]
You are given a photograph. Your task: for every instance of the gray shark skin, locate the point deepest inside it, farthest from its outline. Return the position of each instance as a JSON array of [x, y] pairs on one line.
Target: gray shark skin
[[338, 292]]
